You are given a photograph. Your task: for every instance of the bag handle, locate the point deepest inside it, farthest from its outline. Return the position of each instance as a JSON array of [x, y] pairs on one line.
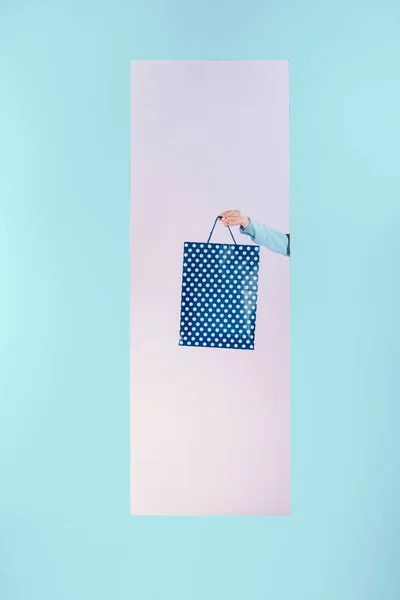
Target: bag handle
[[212, 231]]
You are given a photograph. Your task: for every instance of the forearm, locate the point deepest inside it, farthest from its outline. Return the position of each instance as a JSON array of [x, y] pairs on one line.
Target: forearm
[[269, 238]]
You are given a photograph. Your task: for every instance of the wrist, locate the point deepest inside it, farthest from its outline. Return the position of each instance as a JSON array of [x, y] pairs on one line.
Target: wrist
[[245, 222]]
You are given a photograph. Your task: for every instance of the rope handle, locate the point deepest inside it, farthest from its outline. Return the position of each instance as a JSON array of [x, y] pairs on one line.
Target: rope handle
[[212, 231]]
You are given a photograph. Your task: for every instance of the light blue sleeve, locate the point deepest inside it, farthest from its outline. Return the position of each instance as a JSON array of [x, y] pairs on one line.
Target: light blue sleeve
[[265, 236]]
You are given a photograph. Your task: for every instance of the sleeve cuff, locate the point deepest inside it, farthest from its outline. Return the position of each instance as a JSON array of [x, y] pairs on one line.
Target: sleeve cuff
[[250, 231]]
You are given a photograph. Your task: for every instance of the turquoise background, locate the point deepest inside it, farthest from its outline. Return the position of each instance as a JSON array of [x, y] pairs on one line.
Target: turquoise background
[[65, 529]]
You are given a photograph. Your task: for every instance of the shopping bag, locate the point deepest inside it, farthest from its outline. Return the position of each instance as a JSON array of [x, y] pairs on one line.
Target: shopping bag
[[219, 294]]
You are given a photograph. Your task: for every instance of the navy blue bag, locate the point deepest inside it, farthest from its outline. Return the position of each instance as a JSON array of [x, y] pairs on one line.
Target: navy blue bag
[[219, 294]]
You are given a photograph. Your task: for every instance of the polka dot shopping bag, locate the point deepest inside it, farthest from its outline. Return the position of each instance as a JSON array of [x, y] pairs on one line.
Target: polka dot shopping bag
[[219, 294]]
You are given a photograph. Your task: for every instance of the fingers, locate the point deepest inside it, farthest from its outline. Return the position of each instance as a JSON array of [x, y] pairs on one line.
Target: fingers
[[230, 221], [230, 218]]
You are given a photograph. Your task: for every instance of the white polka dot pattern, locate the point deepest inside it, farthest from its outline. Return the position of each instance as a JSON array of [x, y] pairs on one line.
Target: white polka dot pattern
[[219, 295]]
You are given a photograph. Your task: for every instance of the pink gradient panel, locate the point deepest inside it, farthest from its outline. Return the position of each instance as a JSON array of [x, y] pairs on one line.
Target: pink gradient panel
[[210, 429]]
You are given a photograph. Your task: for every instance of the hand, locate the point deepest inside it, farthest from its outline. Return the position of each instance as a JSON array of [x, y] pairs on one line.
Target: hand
[[234, 218]]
